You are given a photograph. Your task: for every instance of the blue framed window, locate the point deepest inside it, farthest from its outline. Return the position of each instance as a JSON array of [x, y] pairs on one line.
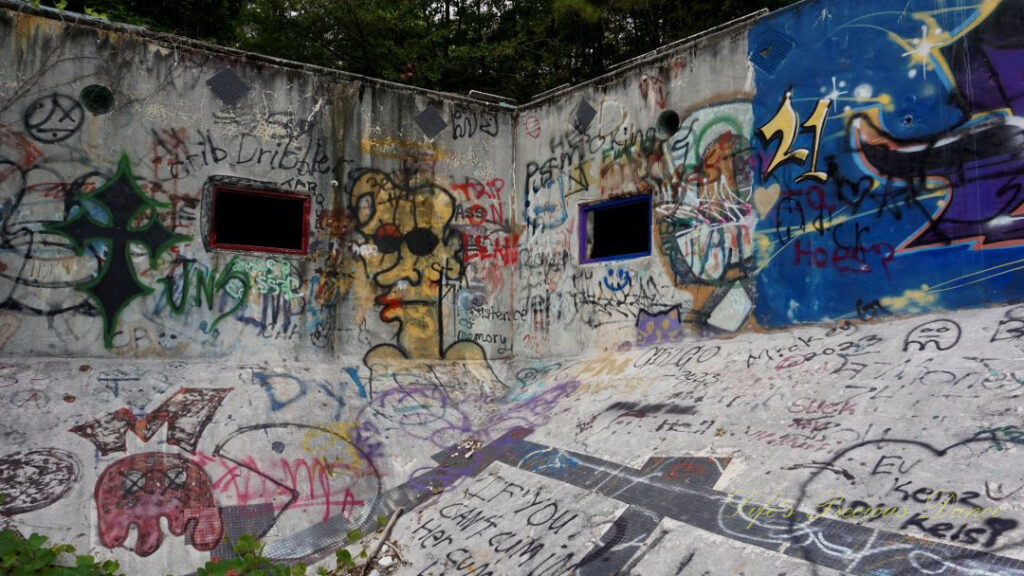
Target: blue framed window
[[618, 229]]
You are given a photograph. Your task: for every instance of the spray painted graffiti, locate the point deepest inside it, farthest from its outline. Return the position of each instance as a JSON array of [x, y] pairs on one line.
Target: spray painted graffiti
[[34, 479], [53, 118], [37, 268], [107, 217], [412, 254], [186, 413], [681, 489], [204, 284], [944, 334], [893, 172], [342, 490], [653, 329], [784, 126], [706, 215], [142, 489], [467, 121], [284, 389]]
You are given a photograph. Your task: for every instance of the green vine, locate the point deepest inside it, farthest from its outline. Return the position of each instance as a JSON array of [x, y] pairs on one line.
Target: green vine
[[32, 557], [248, 560]]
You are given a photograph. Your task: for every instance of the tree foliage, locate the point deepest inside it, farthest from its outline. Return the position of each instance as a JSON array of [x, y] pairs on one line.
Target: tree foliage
[[32, 556], [211, 20], [516, 48]]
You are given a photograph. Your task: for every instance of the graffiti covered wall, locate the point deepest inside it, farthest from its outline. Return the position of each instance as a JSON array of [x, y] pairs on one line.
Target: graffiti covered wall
[[877, 178], [890, 189], [891, 156], [441, 347], [111, 145], [676, 128], [108, 145], [427, 245]]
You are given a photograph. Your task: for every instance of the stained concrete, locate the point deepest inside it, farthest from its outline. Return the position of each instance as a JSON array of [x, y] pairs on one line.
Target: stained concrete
[[820, 350], [639, 460]]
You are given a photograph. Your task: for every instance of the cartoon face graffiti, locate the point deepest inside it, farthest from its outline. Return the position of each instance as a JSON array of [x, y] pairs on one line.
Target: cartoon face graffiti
[[143, 488], [411, 251], [544, 203], [943, 333]]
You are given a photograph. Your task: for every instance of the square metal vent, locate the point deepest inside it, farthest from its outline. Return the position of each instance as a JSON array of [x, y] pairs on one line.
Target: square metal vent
[[583, 116], [431, 122], [769, 48], [228, 86]]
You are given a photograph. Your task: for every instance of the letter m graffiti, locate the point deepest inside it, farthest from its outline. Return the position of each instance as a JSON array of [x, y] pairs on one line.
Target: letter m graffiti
[[186, 414]]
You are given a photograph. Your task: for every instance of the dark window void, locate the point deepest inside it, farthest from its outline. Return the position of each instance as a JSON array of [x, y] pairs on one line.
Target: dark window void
[[616, 230], [259, 220]]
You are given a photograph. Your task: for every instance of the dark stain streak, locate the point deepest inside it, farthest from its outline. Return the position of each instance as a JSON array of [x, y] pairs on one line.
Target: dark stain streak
[[685, 562]]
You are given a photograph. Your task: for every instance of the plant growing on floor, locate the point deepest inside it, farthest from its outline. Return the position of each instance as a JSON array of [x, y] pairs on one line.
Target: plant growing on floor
[[249, 559], [344, 557], [32, 557]]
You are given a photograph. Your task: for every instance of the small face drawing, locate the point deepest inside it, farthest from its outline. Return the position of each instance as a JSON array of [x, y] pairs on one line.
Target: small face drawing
[[545, 199], [945, 334]]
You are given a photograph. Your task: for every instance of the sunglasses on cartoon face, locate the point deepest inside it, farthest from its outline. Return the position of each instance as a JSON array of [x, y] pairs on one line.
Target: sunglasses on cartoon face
[[420, 241]]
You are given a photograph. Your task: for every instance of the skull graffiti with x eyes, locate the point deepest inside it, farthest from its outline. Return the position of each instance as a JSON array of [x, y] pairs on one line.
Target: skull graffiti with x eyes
[[141, 489]]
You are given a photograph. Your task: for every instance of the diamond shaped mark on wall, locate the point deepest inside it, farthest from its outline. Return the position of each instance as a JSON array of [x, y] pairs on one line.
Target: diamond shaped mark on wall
[[430, 121], [228, 86], [769, 49], [583, 116]]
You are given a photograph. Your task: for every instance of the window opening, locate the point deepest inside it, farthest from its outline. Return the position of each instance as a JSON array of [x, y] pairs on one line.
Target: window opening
[[616, 230], [259, 220]]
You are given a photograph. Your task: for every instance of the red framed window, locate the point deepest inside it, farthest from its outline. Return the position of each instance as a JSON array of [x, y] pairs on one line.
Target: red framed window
[[259, 220]]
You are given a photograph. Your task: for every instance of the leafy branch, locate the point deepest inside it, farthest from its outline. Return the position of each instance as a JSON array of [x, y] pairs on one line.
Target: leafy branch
[[31, 556]]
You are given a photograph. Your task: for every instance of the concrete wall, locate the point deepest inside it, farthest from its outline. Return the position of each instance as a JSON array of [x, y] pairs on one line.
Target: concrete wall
[[158, 406], [746, 232], [167, 132], [172, 133], [822, 163], [452, 298], [699, 271]]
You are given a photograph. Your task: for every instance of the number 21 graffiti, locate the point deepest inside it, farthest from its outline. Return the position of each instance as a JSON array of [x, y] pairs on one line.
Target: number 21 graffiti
[[785, 126]]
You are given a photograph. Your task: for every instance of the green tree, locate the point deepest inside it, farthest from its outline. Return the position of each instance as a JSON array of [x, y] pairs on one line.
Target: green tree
[[211, 20], [516, 48]]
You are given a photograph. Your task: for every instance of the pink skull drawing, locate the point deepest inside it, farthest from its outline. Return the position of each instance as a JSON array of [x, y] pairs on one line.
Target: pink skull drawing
[[142, 488]]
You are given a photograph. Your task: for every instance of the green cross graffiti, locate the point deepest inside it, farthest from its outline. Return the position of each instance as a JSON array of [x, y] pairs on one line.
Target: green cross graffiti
[[116, 283]]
